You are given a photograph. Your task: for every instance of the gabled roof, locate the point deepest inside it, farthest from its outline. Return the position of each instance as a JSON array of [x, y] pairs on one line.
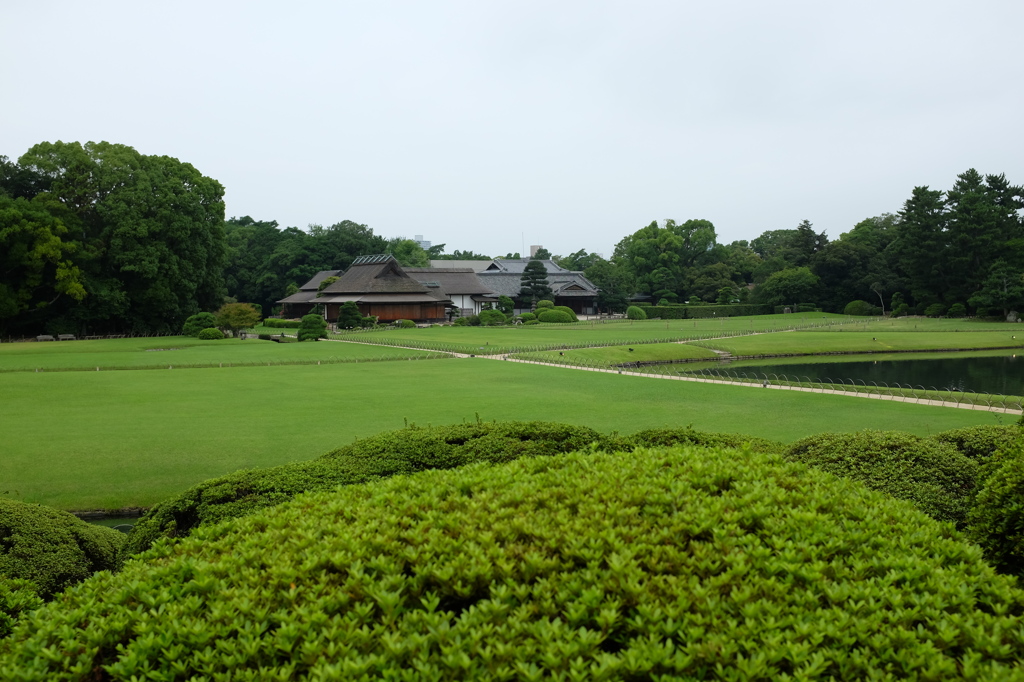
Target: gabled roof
[[506, 279], [314, 284], [474, 265], [518, 265], [380, 274], [452, 281]]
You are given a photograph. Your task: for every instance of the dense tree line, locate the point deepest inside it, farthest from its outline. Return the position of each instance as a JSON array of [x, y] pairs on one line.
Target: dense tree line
[[98, 238]]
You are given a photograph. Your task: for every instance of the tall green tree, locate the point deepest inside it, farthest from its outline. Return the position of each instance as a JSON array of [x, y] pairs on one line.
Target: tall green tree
[[792, 285], [658, 256], [150, 230], [409, 253], [534, 283], [1002, 289]]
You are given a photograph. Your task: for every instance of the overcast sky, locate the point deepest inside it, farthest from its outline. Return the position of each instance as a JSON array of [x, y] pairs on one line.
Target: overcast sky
[[493, 125]]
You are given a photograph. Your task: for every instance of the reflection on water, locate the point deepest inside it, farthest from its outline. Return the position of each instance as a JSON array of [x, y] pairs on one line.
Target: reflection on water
[[1001, 374]]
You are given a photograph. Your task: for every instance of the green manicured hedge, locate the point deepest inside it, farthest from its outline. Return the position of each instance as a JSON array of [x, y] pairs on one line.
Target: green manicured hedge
[[197, 323], [981, 442], [281, 324], [689, 436], [210, 334], [636, 313], [51, 548], [680, 563], [996, 521], [393, 452], [933, 475], [681, 312], [554, 316], [491, 318], [568, 311]]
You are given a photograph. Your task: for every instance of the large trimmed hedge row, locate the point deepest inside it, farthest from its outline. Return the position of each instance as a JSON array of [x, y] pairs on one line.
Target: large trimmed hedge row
[[981, 442], [393, 452], [673, 563], [681, 312], [51, 548], [996, 521], [933, 475]]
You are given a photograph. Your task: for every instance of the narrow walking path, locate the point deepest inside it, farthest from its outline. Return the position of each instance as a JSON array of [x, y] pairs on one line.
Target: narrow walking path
[[852, 394]]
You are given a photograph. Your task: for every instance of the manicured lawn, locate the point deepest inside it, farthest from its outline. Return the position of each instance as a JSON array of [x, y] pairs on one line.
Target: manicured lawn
[[606, 356], [84, 440], [521, 338], [181, 351], [813, 342]]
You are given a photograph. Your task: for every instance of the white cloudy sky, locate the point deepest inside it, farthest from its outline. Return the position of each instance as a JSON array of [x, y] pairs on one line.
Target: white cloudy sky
[[490, 125]]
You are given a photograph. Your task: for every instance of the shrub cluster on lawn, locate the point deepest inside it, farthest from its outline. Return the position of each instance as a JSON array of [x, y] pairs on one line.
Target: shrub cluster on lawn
[[679, 563], [551, 315], [198, 323], [635, 313], [281, 324], [651, 438], [51, 548], [492, 318]]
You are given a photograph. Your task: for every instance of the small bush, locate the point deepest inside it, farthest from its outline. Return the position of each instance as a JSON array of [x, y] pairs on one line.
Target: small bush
[[544, 303], [312, 328], [51, 548], [553, 316], [996, 521], [957, 310], [460, 322], [526, 317], [492, 318], [934, 476], [263, 337], [568, 311], [531, 322], [902, 310], [210, 334], [472, 320], [635, 313], [392, 452], [679, 563], [935, 310], [404, 324], [198, 323], [859, 308]]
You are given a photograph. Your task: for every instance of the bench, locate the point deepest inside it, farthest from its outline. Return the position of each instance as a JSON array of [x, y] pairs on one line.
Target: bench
[[45, 337], [66, 337]]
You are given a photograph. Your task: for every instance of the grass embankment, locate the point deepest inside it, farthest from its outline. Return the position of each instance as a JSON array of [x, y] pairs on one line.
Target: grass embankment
[[610, 356], [183, 351], [83, 440], [818, 342], [491, 340]]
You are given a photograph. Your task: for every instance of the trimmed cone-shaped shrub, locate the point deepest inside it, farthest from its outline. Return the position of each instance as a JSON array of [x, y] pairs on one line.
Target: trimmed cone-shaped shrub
[[404, 451], [996, 521], [552, 315], [52, 548], [937, 478], [668, 564], [634, 312]]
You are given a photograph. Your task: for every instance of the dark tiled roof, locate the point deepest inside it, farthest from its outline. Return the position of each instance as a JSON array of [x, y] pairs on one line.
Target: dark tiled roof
[[563, 283], [377, 277], [452, 281]]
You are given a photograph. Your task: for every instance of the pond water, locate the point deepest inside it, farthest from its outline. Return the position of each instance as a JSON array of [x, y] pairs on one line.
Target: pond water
[[991, 374]]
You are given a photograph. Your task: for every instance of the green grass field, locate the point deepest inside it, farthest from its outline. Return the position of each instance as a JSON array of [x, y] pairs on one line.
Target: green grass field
[[183, 351], [81, 440], [488, 340], [819, 342]]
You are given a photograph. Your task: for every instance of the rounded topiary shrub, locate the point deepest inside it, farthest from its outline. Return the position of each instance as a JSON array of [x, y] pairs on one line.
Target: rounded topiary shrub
[[957, 310], [635, 313], [210, 334], [568, 311], [689, 436], [935, 310], [312, 327], [198, 323], [544, 303], [996, 521], [492, 318], [981, 442], [860, 308], [404, 324], [936, 477], [527, 317], [554, 316], [678, 563], [52, 548], [393, 452]]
